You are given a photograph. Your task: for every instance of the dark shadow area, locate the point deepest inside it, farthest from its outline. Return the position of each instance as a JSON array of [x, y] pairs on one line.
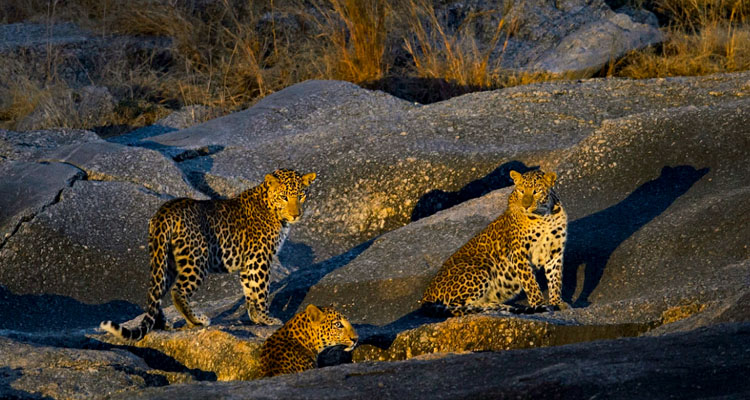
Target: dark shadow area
[[8, 375], [157, 360], [437, 200], [289, 293], [53, 313], [296, 255], [195, 178], [593, 239], [421, 90], [383, 336]]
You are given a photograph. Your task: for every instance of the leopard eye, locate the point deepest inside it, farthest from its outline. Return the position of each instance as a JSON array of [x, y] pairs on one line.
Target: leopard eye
[[338, 325]]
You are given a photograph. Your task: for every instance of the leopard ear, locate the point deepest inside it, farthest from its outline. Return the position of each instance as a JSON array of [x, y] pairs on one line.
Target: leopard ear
[[516, 177], [551, 177], [315, 313], [272, 181], [307, 179]]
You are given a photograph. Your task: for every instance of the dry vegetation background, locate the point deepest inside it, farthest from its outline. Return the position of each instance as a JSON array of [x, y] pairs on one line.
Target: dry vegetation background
[[227, 54]]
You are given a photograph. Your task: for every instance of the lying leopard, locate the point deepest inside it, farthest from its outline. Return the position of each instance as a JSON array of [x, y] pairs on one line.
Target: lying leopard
[[496, 264], [295, 346], [190, 238]]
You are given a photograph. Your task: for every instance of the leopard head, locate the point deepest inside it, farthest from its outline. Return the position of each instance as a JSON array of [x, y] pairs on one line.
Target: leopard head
[[287, 192], [331, 328], [534, 192]]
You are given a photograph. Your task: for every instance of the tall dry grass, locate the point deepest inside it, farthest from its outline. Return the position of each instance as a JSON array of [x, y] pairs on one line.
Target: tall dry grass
[[355, 33]]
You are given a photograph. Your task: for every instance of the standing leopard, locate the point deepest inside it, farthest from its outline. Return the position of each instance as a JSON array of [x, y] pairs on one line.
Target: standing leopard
[[296, 345], [189, 238], [496, 264]]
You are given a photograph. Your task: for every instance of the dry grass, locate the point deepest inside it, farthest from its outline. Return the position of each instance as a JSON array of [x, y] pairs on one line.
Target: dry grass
[[355, 34], [703, 37], [453, 56], [227, 54]]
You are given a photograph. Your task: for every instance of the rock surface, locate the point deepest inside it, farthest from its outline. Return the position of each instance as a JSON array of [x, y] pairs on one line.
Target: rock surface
[[652, 174], [706, 363], [31, 371], [574, 38]]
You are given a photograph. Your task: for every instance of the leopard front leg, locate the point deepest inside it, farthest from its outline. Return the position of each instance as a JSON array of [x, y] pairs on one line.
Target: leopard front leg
[[553, 271], [522, 265], [254, 277]]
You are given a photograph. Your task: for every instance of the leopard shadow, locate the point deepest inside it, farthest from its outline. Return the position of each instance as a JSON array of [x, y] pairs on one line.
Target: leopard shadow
[[593, 239], [437, 200]]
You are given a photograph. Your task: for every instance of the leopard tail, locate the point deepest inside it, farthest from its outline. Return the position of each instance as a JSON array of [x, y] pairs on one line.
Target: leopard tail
[[162, 277]]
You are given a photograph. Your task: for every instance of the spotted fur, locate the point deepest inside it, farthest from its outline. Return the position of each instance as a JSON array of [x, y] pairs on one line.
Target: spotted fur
[[190, 238], [295, 346], [499, 262]]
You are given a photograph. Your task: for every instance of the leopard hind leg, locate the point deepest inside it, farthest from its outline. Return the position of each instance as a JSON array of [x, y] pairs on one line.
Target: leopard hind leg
[[189, 277], [162, 278]]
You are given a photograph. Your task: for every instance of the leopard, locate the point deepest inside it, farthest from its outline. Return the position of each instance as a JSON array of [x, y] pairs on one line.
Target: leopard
[[188, 238], [500, 261], [296, 345]]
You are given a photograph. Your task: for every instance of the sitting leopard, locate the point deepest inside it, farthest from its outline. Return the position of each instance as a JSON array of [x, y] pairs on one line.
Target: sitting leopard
[[190, 238], [496, 264], [295, 346]]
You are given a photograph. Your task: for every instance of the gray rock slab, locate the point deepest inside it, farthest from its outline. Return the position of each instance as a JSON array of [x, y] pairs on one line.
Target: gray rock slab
[[656, 202], [285, 113], [574, 38], [707, 363], [27, 188], [29, 146], [593, 45], [103, 161], [90, 245], [30, 371]]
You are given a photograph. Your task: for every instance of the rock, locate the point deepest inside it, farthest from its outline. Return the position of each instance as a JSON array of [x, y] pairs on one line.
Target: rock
[[649, 198], [572, 38], [382, 280], [90, 245], [32, 371], [28, 188], [707, 363], [103, 161], [30, 146], [229, 349]]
